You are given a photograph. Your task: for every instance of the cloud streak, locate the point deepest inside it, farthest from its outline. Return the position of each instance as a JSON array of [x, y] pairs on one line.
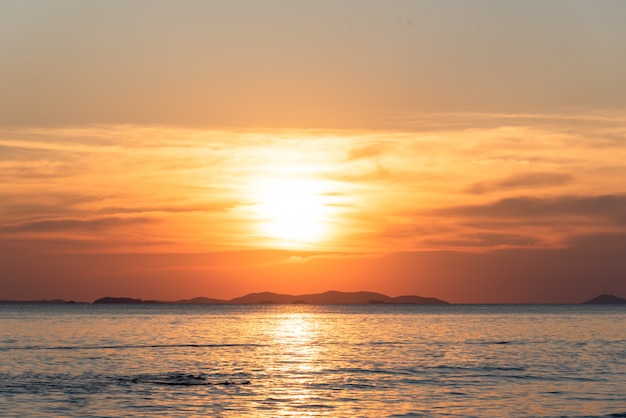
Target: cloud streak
[[480, 181], [599, 209], [72, 225], [520, 181]]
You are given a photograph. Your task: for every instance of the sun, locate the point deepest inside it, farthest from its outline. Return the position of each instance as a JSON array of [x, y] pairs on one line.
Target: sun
[[292, 211]]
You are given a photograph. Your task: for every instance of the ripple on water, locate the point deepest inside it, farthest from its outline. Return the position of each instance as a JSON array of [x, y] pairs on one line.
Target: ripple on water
[[340, 361]]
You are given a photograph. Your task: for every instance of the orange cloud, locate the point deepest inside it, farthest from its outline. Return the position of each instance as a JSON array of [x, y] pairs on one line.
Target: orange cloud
[[375, 191]]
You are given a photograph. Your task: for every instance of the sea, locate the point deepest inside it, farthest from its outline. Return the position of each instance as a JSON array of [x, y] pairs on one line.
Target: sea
[[90, 360]]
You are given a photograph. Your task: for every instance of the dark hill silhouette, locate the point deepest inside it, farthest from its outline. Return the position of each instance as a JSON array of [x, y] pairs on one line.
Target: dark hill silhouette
[[118, 301], [605, 300], [333, 297], [201, 301], [262, 297], [46, 301], [418, 300]]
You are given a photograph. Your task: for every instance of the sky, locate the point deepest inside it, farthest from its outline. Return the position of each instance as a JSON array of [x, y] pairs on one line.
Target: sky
[[470, 151]]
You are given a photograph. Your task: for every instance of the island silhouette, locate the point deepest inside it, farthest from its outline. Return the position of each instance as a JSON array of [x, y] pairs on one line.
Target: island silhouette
[[332, 297], [605, 300]]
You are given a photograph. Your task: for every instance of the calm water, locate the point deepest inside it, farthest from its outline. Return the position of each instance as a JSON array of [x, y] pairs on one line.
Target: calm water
[[347, 361]]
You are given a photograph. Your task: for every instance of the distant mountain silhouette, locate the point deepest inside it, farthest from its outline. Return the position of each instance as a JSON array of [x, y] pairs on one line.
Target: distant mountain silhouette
[[605, 300], [46, 301], [413, 300], [327, 298], [118, 301], [332, 297], [201, 301]]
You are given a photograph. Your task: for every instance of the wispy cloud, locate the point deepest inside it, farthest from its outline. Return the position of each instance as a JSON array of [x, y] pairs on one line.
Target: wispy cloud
[[465, 181], [70, 225], [611, 208], [373, 149], [525, 180]]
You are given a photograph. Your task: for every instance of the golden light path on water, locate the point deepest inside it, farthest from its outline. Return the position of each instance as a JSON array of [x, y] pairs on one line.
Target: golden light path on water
[[306, 360], [298, 335]]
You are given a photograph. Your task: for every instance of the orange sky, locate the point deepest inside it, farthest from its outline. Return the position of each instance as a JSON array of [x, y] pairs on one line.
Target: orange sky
[[409, 148]]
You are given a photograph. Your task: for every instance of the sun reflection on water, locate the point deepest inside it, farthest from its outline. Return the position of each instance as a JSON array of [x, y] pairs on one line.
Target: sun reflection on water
[[299, 365], [308, 360], [298, 334]]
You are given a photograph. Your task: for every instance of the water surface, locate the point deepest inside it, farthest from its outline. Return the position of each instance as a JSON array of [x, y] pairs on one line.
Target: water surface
[[369, 361]]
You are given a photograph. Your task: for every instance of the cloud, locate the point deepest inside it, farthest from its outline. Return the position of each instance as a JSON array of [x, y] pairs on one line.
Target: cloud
[[207, 208], [381, 191], [69, 225], [523, 222], [57, 243], [524, 180], [367, 151], [21, 205], [382, 174], [307, 257], [611, 243], [610, 208], [486, 240]]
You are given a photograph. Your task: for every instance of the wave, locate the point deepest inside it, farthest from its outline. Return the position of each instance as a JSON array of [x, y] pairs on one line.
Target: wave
[[125, 346], [94, 383], [182, 379]]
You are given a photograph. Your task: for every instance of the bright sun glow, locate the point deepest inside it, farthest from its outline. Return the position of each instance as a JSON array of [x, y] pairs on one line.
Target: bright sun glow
[[292, 211]]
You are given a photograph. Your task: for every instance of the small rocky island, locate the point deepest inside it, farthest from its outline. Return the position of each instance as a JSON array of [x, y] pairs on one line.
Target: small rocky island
[[605, 300]]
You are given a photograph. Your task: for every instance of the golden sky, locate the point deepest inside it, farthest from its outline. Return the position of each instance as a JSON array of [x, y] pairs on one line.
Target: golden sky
[[471, 151]]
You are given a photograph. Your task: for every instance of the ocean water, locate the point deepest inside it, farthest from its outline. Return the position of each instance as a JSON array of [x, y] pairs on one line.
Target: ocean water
[[343, 361]]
